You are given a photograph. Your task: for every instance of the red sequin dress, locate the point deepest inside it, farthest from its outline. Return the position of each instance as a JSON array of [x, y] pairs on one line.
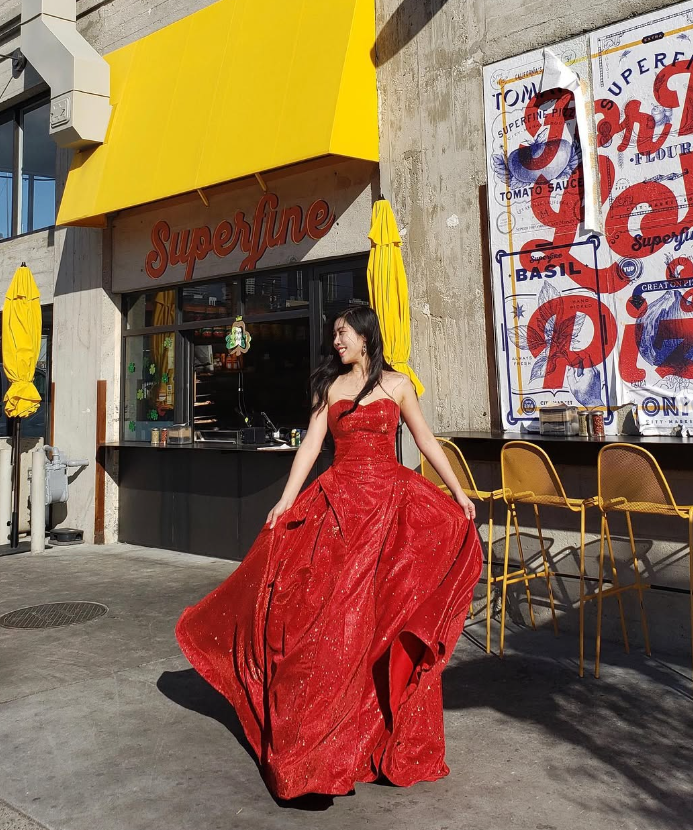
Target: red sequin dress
[[330, 638]]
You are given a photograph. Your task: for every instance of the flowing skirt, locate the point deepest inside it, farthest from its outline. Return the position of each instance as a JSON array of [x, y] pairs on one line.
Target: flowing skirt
[[330, 638]]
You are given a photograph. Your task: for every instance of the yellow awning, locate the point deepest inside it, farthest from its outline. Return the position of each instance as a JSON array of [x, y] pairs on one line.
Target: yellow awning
[[240, 87]]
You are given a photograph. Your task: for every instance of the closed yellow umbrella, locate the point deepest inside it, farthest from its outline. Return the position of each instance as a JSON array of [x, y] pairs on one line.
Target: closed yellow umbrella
[[388, 290], [21, 343], [21, 346]]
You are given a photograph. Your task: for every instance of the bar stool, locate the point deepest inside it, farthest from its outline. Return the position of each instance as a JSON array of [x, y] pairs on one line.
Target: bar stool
[[529, 477], [464, 476], [631, 481]]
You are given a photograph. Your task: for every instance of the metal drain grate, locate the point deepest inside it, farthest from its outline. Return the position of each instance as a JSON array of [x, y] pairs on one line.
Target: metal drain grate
[[53, 615]]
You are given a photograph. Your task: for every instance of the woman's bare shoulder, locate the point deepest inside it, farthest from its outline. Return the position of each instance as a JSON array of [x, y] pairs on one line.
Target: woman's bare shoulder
[[394, 383]]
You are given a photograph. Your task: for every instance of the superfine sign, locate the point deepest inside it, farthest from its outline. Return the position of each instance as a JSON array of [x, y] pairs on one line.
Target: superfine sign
[[270, 226]]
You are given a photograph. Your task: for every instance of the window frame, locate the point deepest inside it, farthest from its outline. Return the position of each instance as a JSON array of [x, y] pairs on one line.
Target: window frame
[[313, 274], [16, 115]]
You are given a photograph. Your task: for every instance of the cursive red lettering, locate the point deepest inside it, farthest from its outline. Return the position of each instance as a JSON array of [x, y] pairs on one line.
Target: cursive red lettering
[[258, 236], [291, 216], [156, 261], [242, 233], [561, 354], [269, 227], [200, 246], [319, 219], [667, 97], [223, 235], [179, 249]]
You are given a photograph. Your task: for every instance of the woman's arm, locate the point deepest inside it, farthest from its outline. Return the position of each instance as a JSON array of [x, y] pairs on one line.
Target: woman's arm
[[427, 444], [303, 462]]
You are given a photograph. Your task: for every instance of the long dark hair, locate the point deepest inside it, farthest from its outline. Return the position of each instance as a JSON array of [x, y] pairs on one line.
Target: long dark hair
[[365, 323]]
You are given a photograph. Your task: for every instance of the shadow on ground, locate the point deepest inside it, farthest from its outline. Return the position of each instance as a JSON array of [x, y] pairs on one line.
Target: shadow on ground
[[636, 725], [190, 690]]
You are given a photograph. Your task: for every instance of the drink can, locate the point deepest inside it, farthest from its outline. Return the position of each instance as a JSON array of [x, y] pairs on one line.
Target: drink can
[[155, 437], [163, 438]]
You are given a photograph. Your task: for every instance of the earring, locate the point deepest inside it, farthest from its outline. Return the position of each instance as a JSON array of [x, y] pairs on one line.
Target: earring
[[363, 349]]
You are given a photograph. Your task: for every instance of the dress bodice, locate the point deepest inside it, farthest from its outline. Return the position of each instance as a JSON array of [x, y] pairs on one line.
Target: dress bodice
[[367, 435]]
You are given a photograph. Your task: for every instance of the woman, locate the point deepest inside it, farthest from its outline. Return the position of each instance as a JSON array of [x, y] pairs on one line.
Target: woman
[[331, 636]]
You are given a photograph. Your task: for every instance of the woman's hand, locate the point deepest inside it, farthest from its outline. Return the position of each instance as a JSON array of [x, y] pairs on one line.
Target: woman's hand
[[279, 508], [466, 504]]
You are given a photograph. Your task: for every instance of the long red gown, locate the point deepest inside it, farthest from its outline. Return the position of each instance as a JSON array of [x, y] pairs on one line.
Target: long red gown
[[330, 638]]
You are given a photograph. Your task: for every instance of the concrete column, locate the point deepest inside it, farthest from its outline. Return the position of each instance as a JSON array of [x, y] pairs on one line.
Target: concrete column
[[38, 500]]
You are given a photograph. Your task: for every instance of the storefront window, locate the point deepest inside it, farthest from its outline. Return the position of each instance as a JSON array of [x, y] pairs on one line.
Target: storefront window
[[276, 371], [6, 177], [211, 301], [149, 384], [278, 292], [344, 288], [38, 171], [153, 308], [340, 290], [219, 390]]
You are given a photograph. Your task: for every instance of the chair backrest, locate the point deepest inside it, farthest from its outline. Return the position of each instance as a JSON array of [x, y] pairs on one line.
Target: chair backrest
[[459, 467], [526, 468], [629, 472]]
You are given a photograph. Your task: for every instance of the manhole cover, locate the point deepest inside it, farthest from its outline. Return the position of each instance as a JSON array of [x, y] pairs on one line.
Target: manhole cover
[[53, 615]]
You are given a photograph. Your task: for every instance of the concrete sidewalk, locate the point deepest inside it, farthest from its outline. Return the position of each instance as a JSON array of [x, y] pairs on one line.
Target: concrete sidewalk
[[104, 725]]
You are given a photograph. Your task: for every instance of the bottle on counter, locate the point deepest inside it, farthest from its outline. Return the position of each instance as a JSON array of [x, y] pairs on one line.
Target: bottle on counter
[[598, 424]]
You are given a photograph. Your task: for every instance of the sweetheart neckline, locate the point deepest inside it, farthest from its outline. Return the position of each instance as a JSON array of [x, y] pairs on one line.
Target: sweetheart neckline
[[364, 405]]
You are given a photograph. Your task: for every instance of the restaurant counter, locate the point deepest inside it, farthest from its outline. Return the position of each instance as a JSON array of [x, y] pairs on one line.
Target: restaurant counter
[[204, 498], [671, 452]]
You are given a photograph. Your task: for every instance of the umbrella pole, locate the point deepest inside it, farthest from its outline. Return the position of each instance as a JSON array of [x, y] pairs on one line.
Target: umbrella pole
[[16, 434]]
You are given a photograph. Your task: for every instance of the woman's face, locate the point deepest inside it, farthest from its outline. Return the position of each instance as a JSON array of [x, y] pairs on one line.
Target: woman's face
[[347, 343]]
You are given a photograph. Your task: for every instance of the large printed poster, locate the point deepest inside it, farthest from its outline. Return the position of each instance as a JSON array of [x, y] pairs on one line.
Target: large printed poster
[[594, 318]]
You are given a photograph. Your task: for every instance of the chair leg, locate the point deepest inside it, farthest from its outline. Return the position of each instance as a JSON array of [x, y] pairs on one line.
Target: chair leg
[[638, 583], [599, 595], [524, 567], [505, 579], [615, 583], [581, 670], [547, 572], [489, 576]]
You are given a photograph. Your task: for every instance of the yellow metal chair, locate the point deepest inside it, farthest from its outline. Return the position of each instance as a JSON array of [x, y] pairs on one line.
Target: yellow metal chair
[[529, 477], [464, 475], [631, 481]]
